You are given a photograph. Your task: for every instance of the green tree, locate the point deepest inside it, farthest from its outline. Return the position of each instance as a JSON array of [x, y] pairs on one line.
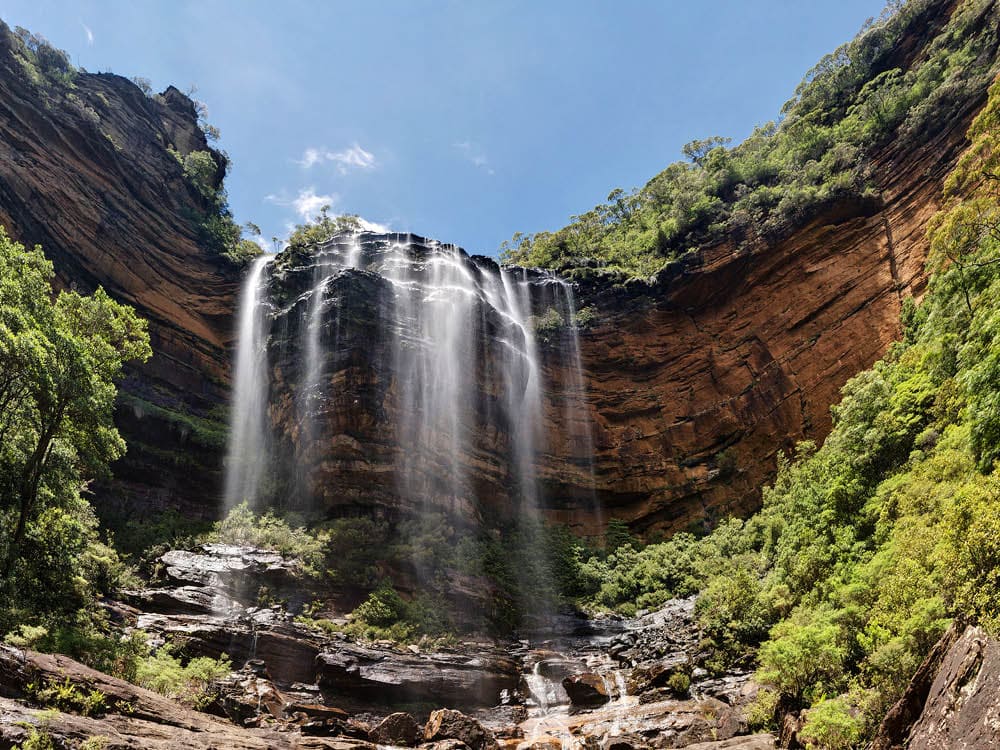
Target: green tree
[[60, 356]]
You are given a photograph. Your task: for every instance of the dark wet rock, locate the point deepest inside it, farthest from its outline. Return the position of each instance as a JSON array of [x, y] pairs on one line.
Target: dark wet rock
[[399, 728], [963, 705], [748, 742], [335, 727], [447, 724], [557, 667], [587, 689], [624, 742], [388, 676], [311, 711], [895, 727], [288, 650]]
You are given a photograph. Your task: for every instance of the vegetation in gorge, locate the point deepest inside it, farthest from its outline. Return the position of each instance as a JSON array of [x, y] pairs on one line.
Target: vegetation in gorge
[[867, 546], [60, 356], [821, 149], [523, 568]]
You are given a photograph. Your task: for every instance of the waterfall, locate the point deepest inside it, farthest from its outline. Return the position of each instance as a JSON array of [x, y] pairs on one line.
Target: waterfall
[[435, 354], [249, 437], [311, 390], [434, 359]]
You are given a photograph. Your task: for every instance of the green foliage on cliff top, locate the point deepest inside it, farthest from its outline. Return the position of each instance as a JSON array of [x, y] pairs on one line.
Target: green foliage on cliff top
[[845, 109], [868, 546]]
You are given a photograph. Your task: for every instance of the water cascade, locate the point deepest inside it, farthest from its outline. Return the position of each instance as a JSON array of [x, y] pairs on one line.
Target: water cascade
[[249, 440], [391, 373]]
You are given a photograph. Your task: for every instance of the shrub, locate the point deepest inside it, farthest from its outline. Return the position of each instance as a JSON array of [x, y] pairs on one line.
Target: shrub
[[67, 697], [244, 527], [832, 725], [201, 171], [190, 684], [802, 661]]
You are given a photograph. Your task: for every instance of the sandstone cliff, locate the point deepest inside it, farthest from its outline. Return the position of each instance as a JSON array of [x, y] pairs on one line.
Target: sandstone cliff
[[85, 172], [695, 380], [698, 380]]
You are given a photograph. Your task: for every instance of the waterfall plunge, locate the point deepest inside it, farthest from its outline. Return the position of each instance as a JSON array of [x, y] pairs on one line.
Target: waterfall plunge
[[455, 338], [249, 438]]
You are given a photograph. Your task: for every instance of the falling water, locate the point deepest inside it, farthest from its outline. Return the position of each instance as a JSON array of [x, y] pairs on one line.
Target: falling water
[[466, 390], [434, 358], [327, 265], [575, 395], [249, 437]]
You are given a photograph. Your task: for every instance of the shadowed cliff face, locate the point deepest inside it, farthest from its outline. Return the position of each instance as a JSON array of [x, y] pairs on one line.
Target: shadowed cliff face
[[85, 172]]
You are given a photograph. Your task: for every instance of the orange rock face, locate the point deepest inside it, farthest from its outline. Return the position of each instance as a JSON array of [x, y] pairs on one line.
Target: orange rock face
[[90, 179], [698, 381], [694, 383]]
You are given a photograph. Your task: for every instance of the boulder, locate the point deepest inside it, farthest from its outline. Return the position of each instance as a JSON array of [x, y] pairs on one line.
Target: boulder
[[749, 742], [389, 676], [586, 689], [963, 704], [396, 729], [447, 724]]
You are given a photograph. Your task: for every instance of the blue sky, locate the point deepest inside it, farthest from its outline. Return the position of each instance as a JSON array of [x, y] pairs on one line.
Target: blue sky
[[463, 121]]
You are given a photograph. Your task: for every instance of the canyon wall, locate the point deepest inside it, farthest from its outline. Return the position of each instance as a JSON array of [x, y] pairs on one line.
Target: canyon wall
[[85, 172], [696, 380], [699, 379]]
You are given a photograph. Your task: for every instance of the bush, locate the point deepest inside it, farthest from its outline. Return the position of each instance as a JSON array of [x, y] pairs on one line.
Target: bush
[[831, 724], [67, 697], [244, 527], [803, 661], [202, 172], [191, 683]]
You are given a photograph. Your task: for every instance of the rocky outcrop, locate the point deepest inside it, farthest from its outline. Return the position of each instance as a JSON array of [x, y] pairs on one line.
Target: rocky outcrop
[[85, 171], [131, 717], [394, 677], [962, 707], [896, 725]]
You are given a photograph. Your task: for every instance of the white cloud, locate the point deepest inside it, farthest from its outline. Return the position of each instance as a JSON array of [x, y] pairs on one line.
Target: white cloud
[[354, 157], [90, 34], [308, 204], [475, 155]]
